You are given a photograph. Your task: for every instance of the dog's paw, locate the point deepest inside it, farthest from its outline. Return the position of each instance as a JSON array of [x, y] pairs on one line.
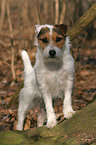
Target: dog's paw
[[19, 127], [39, 123], [51, 124], [68, 114]]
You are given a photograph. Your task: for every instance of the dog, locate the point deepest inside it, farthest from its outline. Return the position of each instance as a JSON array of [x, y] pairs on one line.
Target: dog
[[52, 75]]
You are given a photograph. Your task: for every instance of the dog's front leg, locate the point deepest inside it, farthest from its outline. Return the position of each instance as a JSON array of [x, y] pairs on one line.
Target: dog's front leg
[[51, 118], [67, 104]]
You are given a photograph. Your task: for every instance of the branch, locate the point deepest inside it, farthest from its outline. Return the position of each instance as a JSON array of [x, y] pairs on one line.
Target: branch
[[37, 12], [2, 13], [11, 33], [24, 12], [83, 22], [71, 19], [56, 11], [62, 13]]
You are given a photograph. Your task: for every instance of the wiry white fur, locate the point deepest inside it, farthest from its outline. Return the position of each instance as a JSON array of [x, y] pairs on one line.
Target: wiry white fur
[[39, 27], [47, 80]]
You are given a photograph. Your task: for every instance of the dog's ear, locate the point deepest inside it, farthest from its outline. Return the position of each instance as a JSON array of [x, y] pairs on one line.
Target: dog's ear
[[37, 29], [63, 28]]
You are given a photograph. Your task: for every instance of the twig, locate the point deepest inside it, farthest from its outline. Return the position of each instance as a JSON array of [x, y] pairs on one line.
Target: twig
[[61, 120], [71, 19], [20, 5], [45, 10], [56, 11], [4, 44], [2, 13], [12, 49], [24, 12], [62, 13], [37, 12], [8, 64]]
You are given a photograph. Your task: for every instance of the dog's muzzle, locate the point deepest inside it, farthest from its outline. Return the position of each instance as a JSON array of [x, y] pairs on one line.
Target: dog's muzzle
[[52, 53]]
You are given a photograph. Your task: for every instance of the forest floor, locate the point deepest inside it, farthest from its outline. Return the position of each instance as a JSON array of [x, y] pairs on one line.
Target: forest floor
[[84, 53]]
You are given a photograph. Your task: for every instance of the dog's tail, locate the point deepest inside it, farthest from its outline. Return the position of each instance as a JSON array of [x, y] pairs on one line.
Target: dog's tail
[[28, 69]]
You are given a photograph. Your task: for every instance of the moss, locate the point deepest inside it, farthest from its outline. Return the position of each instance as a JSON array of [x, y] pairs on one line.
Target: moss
[[68, 132], [10, 138]]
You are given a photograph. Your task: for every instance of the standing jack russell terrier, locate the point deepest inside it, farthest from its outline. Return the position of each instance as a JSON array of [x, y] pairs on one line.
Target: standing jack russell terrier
[[51, 77]]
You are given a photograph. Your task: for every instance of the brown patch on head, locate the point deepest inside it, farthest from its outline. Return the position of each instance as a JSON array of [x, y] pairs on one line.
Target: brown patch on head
[[59, 35], [62, 28], [43, 37]]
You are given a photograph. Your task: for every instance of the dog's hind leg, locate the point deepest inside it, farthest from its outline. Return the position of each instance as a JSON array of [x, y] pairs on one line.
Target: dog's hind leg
[[29, 91], [25, 103], [41, 117]]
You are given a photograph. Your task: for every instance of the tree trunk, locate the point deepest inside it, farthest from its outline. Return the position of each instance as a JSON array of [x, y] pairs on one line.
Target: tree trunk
[[56, 11], [83, 22], [80, 129]]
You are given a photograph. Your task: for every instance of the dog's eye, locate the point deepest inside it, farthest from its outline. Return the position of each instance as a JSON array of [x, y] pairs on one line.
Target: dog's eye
[[44, 40], [58, 39]]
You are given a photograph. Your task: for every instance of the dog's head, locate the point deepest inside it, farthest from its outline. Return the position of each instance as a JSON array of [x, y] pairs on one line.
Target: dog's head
[[51, 40]]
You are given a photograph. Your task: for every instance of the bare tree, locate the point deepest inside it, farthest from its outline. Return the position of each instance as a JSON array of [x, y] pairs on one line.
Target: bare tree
[[45, 10], [3, 4], [11, 34], [24, 12], [37, 12], [62, 12], [56, 11]]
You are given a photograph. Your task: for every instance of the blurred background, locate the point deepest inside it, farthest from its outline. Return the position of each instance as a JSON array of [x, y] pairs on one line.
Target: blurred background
[[17, 19]]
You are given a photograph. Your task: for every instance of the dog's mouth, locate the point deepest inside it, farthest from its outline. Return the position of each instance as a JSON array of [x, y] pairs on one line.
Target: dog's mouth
[[52, 59]]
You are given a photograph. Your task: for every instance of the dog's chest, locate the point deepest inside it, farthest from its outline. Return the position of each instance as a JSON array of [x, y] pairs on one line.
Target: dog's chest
[[53, 78], [53, 81]]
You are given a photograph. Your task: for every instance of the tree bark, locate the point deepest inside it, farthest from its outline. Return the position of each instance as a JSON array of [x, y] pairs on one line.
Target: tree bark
[[83, 22], [80, 129]]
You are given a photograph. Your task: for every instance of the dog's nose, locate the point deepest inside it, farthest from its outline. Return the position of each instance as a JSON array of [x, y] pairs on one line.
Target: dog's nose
[[52, 53]]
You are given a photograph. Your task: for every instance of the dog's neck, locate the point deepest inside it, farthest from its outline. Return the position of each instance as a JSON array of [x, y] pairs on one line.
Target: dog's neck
[[54, 66]]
